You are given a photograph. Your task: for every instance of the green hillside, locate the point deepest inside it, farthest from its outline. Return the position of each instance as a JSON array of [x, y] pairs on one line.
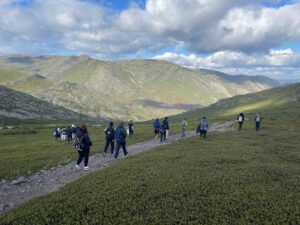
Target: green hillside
[[232, 178], [134, 89], [267, 102], [17, 107]]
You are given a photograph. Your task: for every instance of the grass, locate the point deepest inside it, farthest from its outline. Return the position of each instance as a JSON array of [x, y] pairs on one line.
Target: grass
[[233, 178], [25, 151]]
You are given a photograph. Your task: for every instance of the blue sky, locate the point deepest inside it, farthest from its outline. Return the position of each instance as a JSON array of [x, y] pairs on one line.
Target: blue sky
[[258, 37]]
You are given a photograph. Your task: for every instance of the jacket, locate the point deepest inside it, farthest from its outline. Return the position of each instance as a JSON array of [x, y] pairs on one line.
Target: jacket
[[86, 141], [156, 124], [110, 133], [166, 124], [120, 134]]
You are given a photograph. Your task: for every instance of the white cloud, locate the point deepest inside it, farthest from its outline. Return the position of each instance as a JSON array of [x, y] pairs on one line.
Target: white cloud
[[201, 25], [277, 63], [235, 33]]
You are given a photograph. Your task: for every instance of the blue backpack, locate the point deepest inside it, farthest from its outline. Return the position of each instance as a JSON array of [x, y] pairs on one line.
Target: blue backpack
[[119, 135]]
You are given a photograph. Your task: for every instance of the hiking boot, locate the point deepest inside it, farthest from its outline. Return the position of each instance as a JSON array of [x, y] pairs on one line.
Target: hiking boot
[[112, 155], [77, 167], [86, 168], [125, 155], [104, 154]]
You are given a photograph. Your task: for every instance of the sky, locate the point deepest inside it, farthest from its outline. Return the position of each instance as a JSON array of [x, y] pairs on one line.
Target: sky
[[257, 37]]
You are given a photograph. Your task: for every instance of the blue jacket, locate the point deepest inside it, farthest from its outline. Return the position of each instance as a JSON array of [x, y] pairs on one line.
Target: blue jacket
[[120, 134], [156, 124]]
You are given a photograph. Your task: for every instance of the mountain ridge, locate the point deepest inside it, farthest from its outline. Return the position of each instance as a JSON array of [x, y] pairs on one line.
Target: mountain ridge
[[124, 89]]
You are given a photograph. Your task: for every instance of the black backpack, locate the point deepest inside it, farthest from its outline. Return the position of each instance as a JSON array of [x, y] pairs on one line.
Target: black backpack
[[79, 143], [109, 132]]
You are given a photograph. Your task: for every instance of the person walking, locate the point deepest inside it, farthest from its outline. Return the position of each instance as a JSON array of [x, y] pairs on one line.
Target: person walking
[[55, 134], [130, 128], [69, 134], [183, 126], [240, 120], [83, 144], [166, 124], [120, 136], [257, 121], [156, 126], [203, 127], [162, 132], [110, 139], [73, 131]]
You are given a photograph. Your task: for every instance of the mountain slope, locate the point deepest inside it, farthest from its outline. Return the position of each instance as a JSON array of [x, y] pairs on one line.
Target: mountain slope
[[269, 102], [132, 89], [14, 104]]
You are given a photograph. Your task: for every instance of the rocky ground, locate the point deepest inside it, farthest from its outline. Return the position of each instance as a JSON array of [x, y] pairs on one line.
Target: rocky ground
[[13, 193]]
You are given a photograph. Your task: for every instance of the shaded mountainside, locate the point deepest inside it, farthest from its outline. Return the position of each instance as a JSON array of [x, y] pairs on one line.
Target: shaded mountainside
[[14, 104], [131, 89]]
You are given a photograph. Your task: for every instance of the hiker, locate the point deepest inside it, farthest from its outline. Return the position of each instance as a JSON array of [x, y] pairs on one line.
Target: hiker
[[163, 132], [240, 120], [110, 139], [166, 124], [73, 131], [63, 134], [156, 126], [55, 134], [203, 127], [120, 136], [69, 133], [58, 132], [130, 128], [183, 126], [257, 121], [83, 140]]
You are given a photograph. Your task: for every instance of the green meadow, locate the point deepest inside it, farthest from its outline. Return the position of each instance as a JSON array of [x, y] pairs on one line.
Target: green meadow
[[32, 148], [232, 178]]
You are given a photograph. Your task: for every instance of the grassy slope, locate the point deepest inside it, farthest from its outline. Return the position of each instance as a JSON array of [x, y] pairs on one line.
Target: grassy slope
[[233, 178], [267, 102]]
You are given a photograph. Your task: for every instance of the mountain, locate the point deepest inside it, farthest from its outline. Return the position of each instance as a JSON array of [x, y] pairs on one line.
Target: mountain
[[131, 89], [17, 105]]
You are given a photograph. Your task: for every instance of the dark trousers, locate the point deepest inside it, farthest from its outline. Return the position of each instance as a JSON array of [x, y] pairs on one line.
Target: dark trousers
[[119, 145], [130, 132], [112, 146], [163, 136], [83, 154], [203, 133], [240, 125], [69, 137], [257, 126]]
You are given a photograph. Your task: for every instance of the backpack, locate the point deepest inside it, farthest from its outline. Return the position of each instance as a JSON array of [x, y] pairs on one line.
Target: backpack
[[257, 118], [204, 125], [109, 133], [119, 135], [79, 143], [240, 119]]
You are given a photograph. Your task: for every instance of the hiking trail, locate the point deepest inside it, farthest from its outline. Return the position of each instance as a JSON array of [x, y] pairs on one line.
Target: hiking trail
[[14, 193]]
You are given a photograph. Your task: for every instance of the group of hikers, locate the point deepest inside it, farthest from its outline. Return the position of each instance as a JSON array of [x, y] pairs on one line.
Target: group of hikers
[[241, 118], [83, 142], [161, 129], [64, 133]]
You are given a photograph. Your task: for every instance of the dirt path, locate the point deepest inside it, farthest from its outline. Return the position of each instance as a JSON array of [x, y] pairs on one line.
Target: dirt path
[[18, 191]]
